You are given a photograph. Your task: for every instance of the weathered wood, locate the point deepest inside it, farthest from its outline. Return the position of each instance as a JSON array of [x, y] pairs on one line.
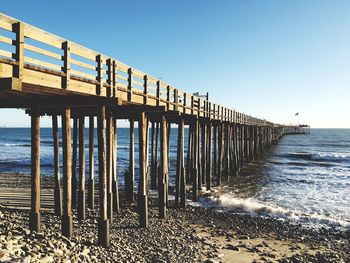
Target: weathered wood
[[103, 225], [203, 154], [115, 188], [130, 175], [67, 221], [19, 54], [35, 222], [215, 155], [57, 191], [156, 164], [91, 190], [162, 184], [194, 176], [209, 157], [66, 66], [81, 191], [74, 162], [153, 161], [179, 181], [182, 165], [143, 198], [109, 163], [189, 154], [221, 154]]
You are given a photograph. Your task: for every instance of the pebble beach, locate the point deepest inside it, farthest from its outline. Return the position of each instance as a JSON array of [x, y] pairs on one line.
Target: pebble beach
[[194, 234]]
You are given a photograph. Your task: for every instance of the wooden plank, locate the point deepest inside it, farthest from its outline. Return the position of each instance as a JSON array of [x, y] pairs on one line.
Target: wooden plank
[[42, 63], [83, 64], [7, 40], [41, 51], [7, 54]]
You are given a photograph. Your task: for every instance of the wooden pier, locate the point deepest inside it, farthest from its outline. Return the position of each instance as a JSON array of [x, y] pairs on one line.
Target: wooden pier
[[49, 75]]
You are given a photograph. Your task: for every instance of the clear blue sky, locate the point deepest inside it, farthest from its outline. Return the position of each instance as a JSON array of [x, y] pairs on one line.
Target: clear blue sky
[[270, 59]]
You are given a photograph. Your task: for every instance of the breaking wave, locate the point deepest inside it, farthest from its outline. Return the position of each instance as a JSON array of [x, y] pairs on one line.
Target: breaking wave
[[259, 208]]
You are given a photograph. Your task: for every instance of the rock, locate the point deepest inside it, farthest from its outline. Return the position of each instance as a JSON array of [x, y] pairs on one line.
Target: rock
[[232, 247]]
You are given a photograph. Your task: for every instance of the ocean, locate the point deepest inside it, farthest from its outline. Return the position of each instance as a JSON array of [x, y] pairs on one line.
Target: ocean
[[305, 178]]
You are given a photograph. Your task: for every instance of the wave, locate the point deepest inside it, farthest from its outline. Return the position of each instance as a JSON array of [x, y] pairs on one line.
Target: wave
[[15, 145], [333, 157], [255, 207]]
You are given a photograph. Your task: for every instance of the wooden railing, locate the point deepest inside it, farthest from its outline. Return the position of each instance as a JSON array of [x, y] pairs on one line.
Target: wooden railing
[[39, 58]]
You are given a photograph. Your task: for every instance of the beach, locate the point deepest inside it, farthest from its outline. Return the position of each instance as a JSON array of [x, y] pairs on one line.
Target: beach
[[194, 234]]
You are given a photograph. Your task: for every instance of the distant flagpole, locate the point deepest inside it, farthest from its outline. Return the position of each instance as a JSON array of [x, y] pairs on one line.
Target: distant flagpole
[[297, 114]]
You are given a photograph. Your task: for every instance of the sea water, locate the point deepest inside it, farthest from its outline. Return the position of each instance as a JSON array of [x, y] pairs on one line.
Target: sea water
[[305, 178]]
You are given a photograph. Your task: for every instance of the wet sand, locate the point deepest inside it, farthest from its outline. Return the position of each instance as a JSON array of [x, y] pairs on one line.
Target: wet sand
[[194, 234]]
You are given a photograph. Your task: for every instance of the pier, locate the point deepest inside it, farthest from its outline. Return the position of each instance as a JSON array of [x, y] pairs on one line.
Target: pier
[[50, 76]]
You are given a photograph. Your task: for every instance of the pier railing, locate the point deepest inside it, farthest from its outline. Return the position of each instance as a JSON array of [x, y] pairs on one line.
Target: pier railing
[[44, 60]]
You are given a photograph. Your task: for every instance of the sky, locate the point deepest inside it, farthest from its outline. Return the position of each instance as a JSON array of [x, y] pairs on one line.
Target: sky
[[269, 59]]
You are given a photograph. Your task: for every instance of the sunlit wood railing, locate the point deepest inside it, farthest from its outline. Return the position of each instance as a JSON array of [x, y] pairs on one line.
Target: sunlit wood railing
[[40, 58]]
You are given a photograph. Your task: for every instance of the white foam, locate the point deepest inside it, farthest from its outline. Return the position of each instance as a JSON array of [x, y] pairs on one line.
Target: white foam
[[257, 207], [330, 156]]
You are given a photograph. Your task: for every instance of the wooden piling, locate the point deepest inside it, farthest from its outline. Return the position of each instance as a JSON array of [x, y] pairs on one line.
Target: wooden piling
[[209, 156], [221, 154], [162, 183], [109, 163], [34, 218], [67, 222], [74, 162], [103, 225], [195, 158], [81, 192], [129, 180], [115, 188], [143, 198], [189, 154], [91, 185], [203, 154], [153, 161], [182, 165], [215, 155], [57, 191], [180, 181]]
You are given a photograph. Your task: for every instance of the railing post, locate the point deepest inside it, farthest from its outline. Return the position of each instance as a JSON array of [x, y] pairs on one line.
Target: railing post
[[99, 74], [184, 102], [110, 79], [168, 96], [66, 65], [129, 84], [18, 28], [176, 100], [145, 90], [199, 107], [158, 92], [192, 105]]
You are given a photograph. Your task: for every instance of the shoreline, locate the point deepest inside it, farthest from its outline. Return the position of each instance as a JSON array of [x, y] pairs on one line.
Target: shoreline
[[194, 234]]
